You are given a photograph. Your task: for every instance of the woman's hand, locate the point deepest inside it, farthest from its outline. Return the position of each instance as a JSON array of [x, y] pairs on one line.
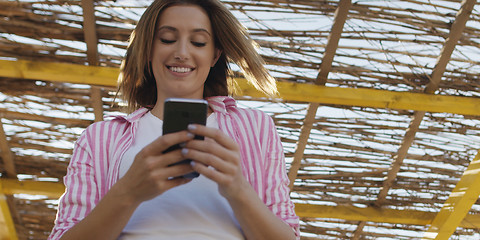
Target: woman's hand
[[151, 173], [217, 158]]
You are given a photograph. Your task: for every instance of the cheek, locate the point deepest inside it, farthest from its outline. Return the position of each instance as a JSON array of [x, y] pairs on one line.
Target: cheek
[[209, 58], [155, 57]]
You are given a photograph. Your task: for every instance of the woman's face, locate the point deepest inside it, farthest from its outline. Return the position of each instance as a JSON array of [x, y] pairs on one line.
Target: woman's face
[[183, 52]]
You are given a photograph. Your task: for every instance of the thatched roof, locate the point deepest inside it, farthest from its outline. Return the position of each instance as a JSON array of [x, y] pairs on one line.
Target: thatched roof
[[379, 111]]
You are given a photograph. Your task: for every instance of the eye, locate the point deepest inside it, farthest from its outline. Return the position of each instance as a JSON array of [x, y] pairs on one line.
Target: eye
[[199, 44], [167, 41]]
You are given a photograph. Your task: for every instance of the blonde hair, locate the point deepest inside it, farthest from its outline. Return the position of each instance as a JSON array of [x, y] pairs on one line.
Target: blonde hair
[[137, 84]]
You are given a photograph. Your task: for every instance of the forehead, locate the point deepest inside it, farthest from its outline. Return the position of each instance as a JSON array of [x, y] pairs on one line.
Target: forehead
[[184, 16]]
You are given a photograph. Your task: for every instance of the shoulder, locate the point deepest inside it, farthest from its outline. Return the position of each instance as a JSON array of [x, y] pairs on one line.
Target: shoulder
[[114, 126], [106, 126], [244, 117], [251, 113], [259, 122]]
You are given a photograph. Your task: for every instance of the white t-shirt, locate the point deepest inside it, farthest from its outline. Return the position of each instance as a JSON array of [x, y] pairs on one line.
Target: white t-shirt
[[195, 210]]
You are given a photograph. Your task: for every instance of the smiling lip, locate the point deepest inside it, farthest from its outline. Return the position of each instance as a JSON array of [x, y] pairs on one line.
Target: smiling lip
[[180, 69]]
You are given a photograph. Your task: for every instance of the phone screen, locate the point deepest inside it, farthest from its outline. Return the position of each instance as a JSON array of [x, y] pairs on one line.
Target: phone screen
[[178, 114]]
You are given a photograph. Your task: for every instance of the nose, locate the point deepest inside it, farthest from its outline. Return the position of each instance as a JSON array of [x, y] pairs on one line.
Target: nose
[[182, 51]]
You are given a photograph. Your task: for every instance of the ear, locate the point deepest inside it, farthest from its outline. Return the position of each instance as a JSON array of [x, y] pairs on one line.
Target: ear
[[217, 55]]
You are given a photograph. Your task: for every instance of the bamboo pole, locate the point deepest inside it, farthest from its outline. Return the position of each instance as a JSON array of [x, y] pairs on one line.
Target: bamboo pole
[[460, 201], [7, 155], [90, 33], [300, 92], [332, 44]]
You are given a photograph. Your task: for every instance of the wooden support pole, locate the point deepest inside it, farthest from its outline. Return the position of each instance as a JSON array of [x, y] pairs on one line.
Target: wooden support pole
[[6, 154], [357, 234], [340, 17], [446, 53], [49, 189], [6, 202], [91, 39], [456, 31], [97, 103], [8, 230], [438, 71], [302, 142], [90, 32], [380, 215], [400, 156], [460, 201], [298, 92], [350, 213]]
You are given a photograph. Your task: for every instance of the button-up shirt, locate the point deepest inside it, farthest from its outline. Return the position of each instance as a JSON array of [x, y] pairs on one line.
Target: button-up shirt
[[94, 167]]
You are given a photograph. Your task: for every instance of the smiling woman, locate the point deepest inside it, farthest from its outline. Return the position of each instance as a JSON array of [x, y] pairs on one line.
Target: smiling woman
[[231, 40], [121, 184], [183, 53]]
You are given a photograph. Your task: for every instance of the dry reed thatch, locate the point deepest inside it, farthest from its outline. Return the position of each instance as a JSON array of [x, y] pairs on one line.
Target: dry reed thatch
[[346, 155]]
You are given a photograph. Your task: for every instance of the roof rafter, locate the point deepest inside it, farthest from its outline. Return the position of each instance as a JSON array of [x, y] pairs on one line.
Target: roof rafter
[[380, 69], [340, 17], [446, 53], [350, 213], [417, 118], [6, 217], [456, 207], [6, 154], [374, 214], [106, 76], [90, 33], [5, 204]]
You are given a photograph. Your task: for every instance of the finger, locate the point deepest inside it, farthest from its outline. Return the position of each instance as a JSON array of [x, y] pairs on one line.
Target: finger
[[212, 147], [215, 134], [175, 171], [208, 172], [208, 159], [161, 161], [176, 182], [159, 145]]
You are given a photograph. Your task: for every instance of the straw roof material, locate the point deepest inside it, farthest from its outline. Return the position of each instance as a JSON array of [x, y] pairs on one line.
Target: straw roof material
[[379, 107]]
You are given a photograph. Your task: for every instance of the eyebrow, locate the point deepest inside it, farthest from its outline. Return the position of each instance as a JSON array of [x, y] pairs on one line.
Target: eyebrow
[[176, 30]]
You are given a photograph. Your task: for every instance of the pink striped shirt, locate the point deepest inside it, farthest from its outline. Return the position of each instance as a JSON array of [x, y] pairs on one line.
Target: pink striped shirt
[[94, 166]]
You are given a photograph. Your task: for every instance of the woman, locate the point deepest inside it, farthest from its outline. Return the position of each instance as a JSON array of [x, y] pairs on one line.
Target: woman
[[120, 185]]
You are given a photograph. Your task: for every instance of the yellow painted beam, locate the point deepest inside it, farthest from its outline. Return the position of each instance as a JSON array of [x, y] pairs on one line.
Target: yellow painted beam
[[8, 226], [454, 210], [374, 98], [373, 214], [107, 76], [59, 72], [55, 190], [49, 189]]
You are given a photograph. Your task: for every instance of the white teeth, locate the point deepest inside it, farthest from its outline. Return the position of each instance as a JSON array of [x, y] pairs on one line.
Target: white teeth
[[180, 69]]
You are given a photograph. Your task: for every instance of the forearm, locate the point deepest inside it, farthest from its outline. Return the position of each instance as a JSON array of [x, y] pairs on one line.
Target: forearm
[[256, 220], [106, 220]]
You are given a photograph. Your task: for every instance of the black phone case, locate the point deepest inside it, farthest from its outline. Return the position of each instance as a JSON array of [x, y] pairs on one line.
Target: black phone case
[[178, 114]]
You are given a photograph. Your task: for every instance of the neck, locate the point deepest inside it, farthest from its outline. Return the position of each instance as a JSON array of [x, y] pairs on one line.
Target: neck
[[157, 110]]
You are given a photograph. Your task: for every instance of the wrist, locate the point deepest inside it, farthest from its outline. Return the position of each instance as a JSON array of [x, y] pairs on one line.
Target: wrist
[[242, 193], [120, 191]]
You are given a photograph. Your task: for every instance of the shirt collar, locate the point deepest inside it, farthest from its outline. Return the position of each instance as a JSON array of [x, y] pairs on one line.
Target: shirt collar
[[132, 117], [220, 104]]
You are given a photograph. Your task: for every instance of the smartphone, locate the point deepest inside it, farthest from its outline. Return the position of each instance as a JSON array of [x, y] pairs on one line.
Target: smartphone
[[178, 114]]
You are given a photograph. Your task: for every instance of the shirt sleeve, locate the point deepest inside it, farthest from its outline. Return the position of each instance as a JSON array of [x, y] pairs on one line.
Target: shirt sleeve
[[277, 191], [81, 192]]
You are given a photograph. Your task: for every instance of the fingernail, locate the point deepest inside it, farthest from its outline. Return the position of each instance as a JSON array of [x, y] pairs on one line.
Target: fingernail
[[184, 151], [192, 163], [190, 135], [182, 145], [192, 127]]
